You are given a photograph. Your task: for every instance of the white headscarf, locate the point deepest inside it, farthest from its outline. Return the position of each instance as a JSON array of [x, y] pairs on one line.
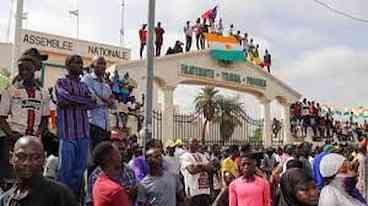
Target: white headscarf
[[330, 164]]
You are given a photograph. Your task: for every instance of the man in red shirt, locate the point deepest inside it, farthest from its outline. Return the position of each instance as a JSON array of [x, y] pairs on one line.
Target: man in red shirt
[[159, 38], [143, 39], [106, 191]]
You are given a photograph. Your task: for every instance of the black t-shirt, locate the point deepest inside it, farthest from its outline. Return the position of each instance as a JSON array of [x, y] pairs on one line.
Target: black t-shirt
[[44, 192]]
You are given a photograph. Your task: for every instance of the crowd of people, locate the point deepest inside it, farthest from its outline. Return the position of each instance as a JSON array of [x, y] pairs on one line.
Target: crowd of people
[[197, 32], [309, 116], [90, 164]]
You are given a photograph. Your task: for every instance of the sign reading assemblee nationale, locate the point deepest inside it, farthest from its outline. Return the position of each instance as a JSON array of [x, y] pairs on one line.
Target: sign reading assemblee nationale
[[224, 76], [73, 46]]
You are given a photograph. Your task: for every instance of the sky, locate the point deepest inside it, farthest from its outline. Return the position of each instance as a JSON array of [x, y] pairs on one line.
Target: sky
[[321, 54]]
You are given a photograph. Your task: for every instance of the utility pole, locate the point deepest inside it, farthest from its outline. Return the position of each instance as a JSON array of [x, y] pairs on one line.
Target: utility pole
[[149, 74], [17, 35]]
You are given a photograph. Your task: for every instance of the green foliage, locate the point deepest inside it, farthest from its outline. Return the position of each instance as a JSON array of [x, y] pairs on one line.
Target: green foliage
[[218, 108], [228, 116]]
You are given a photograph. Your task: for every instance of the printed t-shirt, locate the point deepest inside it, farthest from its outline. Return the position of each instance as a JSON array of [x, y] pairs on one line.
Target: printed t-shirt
[[194, 184], [25, 107]]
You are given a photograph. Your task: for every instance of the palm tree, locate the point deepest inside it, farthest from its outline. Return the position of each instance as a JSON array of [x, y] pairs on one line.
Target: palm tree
[[205, 102], [228, 116]]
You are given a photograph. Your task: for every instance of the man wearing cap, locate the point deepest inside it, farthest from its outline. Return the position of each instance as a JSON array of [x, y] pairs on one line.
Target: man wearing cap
[[33, 52], [340, 187], [179, 148], [24, 105], [172, 162]]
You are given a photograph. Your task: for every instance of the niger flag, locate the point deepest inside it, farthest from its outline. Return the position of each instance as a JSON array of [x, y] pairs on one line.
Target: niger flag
[[225, 48]]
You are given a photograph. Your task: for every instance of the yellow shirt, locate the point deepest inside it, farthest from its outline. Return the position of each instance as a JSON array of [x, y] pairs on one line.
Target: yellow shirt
[[229, 165]]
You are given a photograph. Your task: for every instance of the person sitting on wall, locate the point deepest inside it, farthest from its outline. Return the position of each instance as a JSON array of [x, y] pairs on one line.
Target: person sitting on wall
[[178, 48]]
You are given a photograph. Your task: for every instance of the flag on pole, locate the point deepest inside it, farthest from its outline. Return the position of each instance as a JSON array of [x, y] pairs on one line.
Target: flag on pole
[[210, 14], [225, 48]]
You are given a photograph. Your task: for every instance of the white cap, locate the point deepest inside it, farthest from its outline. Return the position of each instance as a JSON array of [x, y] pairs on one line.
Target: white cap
[[330, 164]]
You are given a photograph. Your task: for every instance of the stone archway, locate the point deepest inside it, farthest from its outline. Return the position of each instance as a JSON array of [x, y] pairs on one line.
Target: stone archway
[[198, 68]]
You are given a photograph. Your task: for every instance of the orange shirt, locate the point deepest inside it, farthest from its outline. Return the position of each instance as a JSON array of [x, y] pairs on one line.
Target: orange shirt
[[107, 192]]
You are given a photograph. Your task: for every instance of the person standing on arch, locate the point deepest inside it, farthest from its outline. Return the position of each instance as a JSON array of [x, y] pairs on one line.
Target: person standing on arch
[[188, 31], [267, 61], [143, 39], [159, 38]]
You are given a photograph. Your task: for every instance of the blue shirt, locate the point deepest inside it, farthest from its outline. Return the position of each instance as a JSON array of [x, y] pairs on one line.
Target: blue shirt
[[100, 115], [318, 179]]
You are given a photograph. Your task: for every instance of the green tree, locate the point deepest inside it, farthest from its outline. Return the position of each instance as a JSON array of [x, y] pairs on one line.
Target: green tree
[[205, 103], [227, 116]]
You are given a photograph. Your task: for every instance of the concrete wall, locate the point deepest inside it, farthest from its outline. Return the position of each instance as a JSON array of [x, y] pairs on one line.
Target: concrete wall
[[5, 55]]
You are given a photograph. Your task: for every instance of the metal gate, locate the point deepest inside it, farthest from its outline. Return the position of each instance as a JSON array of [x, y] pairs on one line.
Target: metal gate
[[157, 124], [190, 125]]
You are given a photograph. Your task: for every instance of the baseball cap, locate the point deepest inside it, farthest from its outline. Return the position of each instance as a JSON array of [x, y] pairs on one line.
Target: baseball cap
[[35, 53]]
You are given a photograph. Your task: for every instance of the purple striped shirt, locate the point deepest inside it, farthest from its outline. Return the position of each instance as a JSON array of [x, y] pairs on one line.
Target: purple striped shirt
[[73, 101]]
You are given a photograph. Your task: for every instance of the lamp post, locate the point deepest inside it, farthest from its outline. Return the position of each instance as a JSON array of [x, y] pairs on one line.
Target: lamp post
[[149, 75], [76, 14]]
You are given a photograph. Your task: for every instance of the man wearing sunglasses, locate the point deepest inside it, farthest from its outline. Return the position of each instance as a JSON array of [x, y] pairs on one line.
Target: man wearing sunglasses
[[23, 108]]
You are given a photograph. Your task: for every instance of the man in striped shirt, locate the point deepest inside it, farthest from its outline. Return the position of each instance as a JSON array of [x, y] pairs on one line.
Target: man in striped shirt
[[73, 101]]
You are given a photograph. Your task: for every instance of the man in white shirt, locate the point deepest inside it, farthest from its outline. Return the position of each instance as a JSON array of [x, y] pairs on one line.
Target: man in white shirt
[[24, 105], [23, 109], [195, 168], [188, 31]]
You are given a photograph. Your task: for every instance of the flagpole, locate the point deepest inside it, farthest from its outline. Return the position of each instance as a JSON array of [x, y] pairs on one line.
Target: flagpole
[[122, 29]]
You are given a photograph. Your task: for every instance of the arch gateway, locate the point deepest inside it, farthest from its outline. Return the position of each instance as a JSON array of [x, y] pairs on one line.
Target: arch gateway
[[199, 68]]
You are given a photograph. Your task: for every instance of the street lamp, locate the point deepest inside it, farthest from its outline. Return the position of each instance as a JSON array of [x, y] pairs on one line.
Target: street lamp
[[76, 14]]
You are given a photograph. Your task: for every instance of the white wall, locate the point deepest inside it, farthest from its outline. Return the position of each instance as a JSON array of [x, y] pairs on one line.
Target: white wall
[[5, 55]]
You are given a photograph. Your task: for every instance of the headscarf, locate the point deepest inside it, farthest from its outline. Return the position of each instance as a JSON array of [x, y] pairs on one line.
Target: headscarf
[[289, 185], [330, 164]]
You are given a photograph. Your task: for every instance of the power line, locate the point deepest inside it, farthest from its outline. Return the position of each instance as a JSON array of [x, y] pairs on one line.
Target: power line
[[341, 12]]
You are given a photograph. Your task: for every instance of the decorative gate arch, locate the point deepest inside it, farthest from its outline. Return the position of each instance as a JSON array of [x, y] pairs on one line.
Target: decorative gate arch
[[199, 68]]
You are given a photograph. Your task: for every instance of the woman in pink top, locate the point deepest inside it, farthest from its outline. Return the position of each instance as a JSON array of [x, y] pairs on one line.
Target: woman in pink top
[[249, 189]]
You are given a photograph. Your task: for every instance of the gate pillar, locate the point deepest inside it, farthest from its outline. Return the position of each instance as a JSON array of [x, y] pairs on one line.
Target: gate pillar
[[167, 113], [267, 122], [286, 118]]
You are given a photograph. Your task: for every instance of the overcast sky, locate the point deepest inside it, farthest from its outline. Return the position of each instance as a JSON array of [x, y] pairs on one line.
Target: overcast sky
[[319, 53]]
